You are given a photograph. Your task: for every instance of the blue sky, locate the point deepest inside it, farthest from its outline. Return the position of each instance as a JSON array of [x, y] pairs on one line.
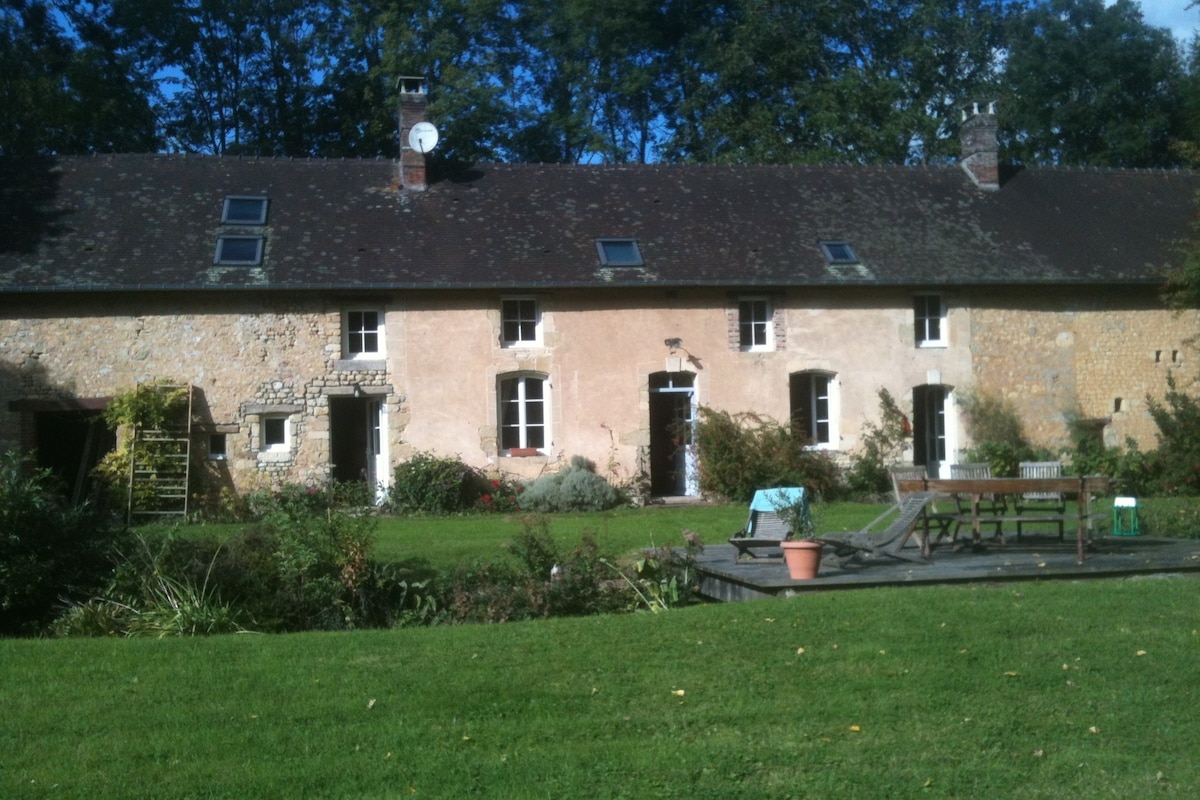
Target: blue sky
[[1173, 14]]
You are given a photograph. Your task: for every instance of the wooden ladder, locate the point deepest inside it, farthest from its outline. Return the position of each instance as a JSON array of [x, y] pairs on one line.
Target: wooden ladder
[[160, 462]]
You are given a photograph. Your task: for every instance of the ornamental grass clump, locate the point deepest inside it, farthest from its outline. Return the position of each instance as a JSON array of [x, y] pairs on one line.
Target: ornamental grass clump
[[576, 488]]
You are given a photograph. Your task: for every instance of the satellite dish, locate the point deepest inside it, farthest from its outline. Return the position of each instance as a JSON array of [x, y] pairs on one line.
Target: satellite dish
[[423, 137]]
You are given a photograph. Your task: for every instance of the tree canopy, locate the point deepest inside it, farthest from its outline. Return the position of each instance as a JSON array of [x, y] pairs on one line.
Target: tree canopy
[[726, 81]]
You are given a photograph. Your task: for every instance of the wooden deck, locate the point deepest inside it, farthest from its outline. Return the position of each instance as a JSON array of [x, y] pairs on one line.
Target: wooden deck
[[725, 578]]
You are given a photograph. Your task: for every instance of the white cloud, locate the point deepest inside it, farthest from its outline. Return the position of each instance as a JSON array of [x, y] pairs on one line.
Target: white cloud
[[1173, 14]]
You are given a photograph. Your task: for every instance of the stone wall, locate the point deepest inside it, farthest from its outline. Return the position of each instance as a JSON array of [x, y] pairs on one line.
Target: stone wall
[[251, 355], [1082, 353]]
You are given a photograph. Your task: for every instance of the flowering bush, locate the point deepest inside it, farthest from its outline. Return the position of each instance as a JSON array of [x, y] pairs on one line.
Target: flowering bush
[[503, 498]]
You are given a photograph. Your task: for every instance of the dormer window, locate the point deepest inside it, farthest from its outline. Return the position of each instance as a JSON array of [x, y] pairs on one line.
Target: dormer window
[[839, 253], [241, 250], [619, 253], [239, 210]]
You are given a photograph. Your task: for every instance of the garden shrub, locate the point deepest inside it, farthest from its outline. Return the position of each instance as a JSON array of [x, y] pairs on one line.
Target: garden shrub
[[503, 496], [882, 446], [541, 580], [1172, 517], [577, 583], [1177, 416], [999, 436], [429, 484], [50, 551], [576, 488], [741, 453]]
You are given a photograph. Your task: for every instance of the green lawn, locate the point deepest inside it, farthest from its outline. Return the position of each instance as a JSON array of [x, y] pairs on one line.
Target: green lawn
[[442, 542], [1038, 690]]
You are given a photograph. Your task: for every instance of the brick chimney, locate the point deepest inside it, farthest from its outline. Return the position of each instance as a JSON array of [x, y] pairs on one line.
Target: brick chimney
[[980, 141], [413, 95]]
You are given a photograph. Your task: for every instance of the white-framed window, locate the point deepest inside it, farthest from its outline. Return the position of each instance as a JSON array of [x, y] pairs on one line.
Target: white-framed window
[[524, 401], [755, 325], [275, 435], [929, 320], [362, 334], [815, 407], [520, 321]]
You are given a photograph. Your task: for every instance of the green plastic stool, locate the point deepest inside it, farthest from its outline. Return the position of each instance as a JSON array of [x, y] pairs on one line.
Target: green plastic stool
[[1125, 517]]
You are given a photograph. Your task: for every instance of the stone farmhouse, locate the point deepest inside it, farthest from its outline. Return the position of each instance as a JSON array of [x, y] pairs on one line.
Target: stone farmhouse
[[334, 317]]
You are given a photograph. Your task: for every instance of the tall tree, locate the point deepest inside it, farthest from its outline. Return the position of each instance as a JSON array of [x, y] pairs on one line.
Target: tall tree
[[1090, 84], [62, 93], [831, 80]]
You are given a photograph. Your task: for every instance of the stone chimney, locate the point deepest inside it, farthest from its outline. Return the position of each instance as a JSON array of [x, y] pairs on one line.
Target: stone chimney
[[979, 136], [413, 95]]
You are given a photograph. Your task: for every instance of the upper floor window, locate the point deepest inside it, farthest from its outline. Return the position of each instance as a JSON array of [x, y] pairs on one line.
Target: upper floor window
[[755, 326], [239, 210], [523, 418], [362, 334], [520, 321], [929, 317], [239, 250]]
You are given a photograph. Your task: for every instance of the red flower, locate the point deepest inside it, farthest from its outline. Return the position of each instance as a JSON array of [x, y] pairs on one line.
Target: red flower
[[495, 484], [487, 498]]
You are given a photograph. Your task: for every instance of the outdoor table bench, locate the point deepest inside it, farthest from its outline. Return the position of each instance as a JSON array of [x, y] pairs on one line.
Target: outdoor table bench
[[1083, 488]]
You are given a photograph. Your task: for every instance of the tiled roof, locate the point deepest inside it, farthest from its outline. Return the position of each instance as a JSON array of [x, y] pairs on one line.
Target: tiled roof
[[152, 221]]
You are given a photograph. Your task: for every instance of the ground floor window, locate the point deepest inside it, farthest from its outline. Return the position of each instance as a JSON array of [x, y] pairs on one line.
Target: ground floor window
[[275, 434], [813, 406], [523, 404]]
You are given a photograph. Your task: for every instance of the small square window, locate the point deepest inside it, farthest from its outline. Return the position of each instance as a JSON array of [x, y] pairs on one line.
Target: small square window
[[363, 334], [275, 433], [244, 210], [619, 252], [216, 447], [755, 328], [239, 250], [520, 321], [839, 253]]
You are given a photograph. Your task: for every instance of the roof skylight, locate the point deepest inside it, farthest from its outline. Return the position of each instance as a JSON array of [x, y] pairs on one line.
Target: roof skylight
[[839, 253], [244, 210], [239, 250], [619, 252]]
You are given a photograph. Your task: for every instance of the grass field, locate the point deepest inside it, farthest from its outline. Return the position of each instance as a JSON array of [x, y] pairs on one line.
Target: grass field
[[1038, 690]]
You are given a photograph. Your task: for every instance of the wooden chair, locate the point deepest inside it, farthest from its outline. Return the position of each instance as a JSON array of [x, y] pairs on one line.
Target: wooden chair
[[765, 529], [1041, 507], [992, 507], [932, 520], [889, 542]]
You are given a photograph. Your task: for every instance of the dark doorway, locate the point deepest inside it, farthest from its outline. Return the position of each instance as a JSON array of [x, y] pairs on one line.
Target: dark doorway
[[354, 438], [929, 428], [70, 444], [672, 457]]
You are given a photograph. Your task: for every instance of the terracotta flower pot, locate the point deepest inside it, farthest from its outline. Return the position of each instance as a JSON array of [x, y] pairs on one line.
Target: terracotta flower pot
[[803, 558]]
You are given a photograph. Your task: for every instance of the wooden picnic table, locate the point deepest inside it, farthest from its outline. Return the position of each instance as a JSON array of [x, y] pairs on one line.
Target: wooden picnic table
[[1081, 487]]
